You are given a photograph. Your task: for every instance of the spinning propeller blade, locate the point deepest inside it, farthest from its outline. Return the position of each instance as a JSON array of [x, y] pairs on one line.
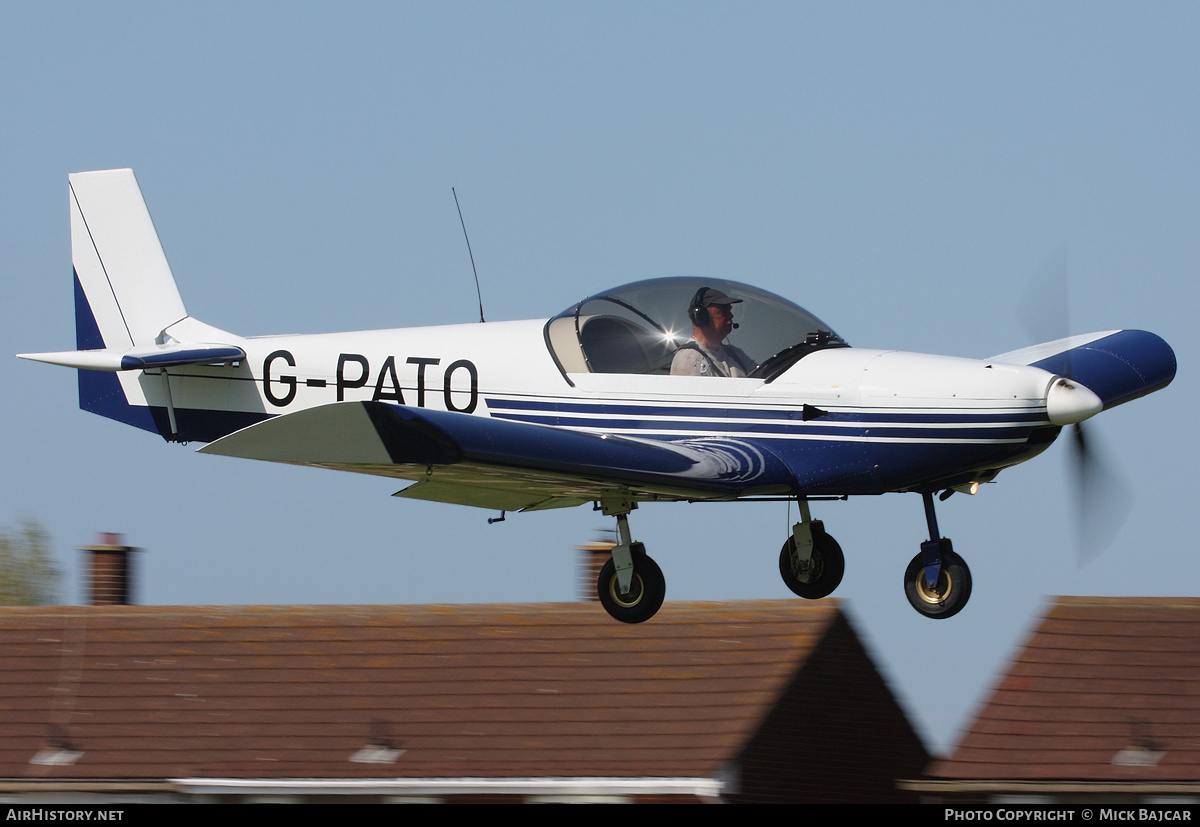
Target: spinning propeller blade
[[1102, 500]]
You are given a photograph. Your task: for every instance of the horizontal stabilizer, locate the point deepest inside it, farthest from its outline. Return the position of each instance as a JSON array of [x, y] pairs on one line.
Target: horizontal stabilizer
[[160, 356]]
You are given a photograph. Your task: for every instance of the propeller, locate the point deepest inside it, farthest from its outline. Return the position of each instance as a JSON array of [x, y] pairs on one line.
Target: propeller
[[1101, 499]]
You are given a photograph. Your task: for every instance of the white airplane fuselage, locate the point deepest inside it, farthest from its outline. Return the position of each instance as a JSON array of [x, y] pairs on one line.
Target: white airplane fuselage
[[589, 406], [894, 420]]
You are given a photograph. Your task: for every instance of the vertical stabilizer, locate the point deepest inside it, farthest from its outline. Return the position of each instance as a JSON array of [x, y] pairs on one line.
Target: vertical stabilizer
[[141, 359], [125, 294], [122, 273]]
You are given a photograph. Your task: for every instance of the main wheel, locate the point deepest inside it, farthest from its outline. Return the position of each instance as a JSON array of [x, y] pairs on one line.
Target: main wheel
[[646, 591], [825, 569], [945, 599]]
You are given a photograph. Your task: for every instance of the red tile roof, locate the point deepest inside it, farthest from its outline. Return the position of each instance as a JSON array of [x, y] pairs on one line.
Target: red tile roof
[[457, 691], [1106, 689]]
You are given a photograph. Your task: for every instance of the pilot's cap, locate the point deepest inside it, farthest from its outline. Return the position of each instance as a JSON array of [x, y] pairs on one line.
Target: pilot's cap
[[709, 296]]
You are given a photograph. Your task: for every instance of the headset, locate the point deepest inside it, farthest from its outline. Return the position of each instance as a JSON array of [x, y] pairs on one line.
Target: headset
[[697, 311]]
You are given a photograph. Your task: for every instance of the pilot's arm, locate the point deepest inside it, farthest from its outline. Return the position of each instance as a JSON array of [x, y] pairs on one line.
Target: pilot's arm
[[744, 362]]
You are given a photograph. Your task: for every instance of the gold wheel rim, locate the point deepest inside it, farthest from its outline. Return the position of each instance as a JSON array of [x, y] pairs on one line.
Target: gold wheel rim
[[636, 591], [938, 594]]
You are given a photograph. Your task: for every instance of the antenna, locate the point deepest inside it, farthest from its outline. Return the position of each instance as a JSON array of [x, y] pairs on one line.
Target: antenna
[[472, 255]]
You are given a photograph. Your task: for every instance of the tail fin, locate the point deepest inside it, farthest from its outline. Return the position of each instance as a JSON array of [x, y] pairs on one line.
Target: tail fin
[[125, 295], [125, 301], [130, 323]]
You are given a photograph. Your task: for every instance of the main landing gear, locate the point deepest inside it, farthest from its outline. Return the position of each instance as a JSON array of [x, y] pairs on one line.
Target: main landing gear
[[631, 586], [811, 562]]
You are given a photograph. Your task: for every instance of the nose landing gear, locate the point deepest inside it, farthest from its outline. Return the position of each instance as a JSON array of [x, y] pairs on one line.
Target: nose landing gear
[[937, 582]]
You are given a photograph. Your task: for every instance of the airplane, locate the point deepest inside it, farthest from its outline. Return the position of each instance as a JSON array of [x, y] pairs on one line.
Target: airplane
[[585, 407]]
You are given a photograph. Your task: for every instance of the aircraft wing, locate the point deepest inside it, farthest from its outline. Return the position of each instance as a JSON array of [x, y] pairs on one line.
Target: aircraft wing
[[1116, 365], [497, 464]]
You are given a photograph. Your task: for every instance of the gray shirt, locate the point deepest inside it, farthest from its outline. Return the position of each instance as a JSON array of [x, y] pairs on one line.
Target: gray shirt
[[693, 359]]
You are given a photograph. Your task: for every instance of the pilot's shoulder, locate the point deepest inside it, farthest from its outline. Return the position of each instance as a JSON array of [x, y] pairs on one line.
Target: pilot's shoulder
[[686, 360]]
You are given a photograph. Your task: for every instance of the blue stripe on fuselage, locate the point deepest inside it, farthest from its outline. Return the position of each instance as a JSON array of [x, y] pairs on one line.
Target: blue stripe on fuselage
[[676, 421], [782, 413], [842, 452], [813, 430]]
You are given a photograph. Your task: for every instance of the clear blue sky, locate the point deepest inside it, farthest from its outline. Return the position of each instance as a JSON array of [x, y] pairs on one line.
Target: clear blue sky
[[902, 170]]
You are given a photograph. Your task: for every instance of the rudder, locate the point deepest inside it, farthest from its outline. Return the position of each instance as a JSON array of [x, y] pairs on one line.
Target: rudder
[[122, 273], [125, 294]]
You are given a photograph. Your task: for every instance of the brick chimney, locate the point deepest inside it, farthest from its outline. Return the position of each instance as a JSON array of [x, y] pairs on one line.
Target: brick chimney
[[110, 571], [593, 556]]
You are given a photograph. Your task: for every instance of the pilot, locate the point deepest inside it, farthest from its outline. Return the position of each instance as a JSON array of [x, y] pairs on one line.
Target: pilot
[[707, 354]]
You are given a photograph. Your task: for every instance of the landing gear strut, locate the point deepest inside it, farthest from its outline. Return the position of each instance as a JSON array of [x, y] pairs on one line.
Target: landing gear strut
[[811, 562], [937, 582], [631, 586]]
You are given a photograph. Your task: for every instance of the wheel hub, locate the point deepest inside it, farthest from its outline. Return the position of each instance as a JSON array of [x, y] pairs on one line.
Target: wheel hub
[[630, 600], [807, 571], [937, 593]]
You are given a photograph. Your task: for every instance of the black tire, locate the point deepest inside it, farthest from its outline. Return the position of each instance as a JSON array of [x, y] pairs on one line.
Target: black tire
[[825, 570], [951, 593], [646, 592]]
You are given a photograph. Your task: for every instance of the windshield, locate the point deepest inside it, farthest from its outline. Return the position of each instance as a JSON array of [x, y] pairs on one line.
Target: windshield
[[638, 327]]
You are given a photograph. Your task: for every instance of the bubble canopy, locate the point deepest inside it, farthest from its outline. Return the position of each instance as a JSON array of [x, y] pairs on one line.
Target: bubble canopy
[[637, 327]]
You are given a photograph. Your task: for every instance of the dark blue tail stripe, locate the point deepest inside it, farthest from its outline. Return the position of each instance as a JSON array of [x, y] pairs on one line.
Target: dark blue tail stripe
[[100, 392]]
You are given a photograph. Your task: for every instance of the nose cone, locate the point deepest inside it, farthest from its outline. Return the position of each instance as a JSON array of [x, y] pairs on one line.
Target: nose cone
[[1118, 367], [1069, 402]]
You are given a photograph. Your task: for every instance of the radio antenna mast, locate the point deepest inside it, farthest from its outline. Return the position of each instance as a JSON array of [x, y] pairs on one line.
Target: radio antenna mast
[[472, 255]]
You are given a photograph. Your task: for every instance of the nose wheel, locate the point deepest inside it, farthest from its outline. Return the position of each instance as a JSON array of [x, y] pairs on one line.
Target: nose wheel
[[947, 595], [937, 582]]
